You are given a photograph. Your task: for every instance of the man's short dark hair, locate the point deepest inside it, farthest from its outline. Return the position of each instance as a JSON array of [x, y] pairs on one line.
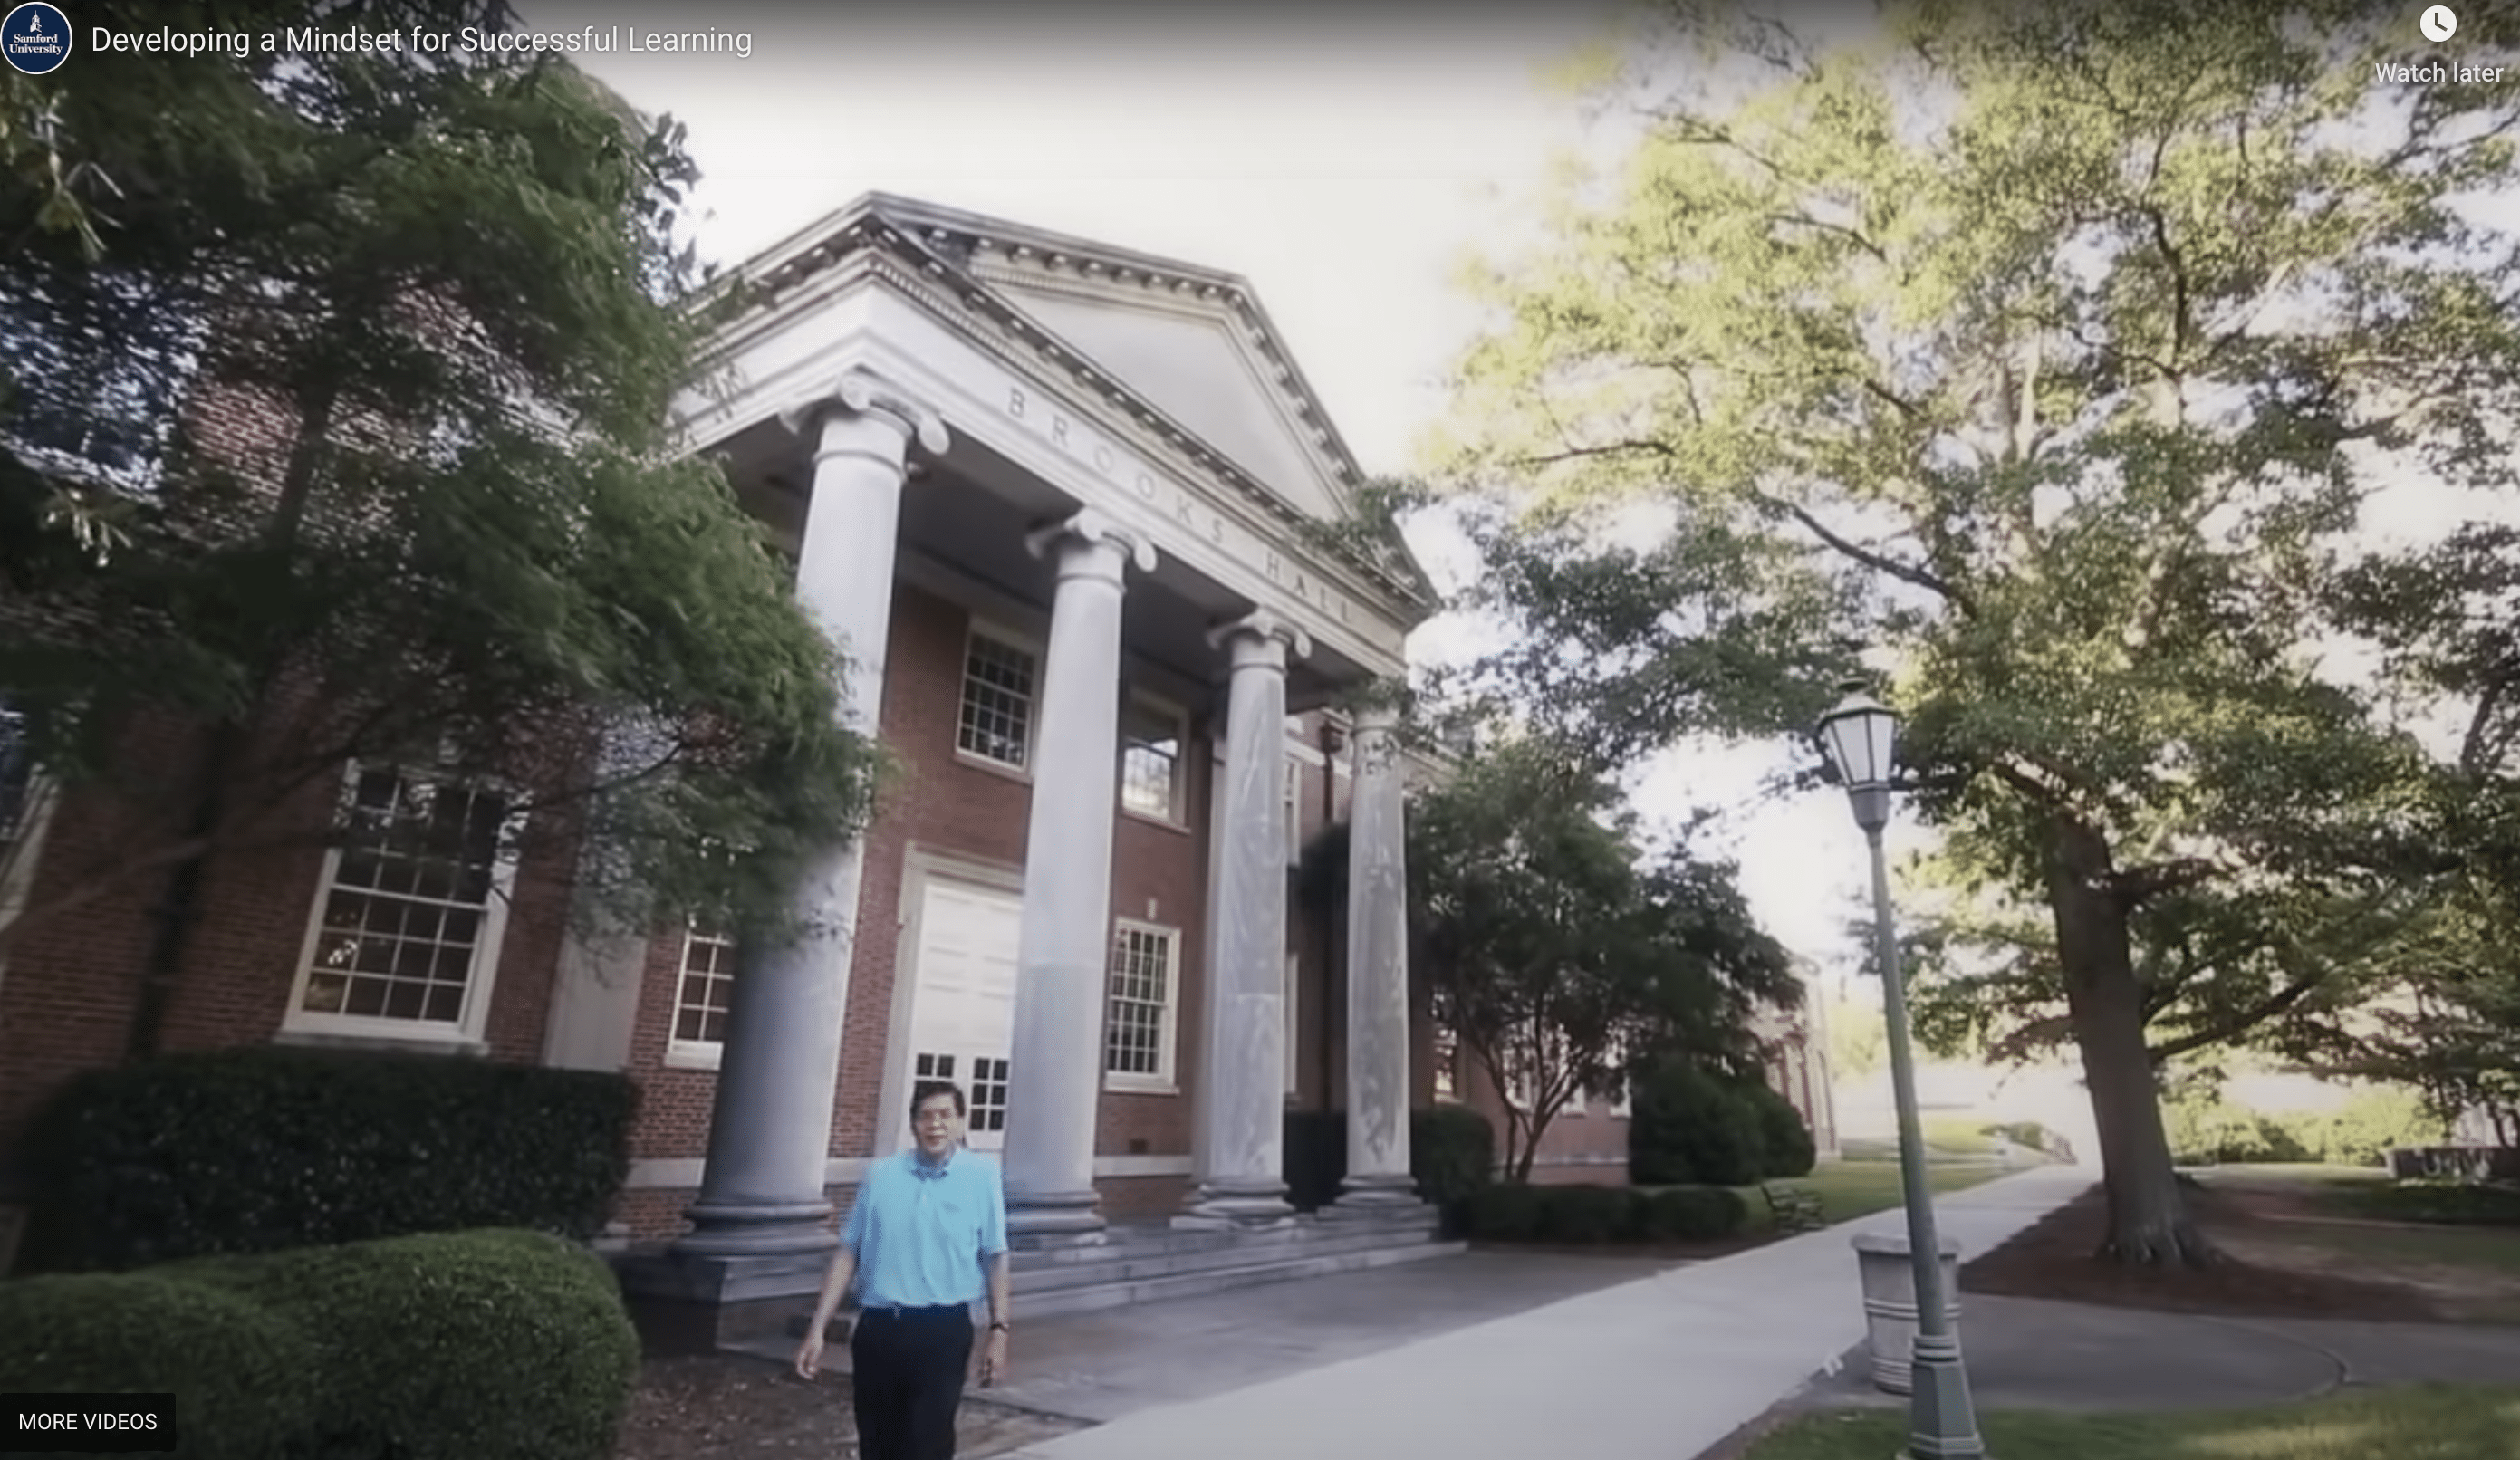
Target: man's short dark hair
[[929, 1089]]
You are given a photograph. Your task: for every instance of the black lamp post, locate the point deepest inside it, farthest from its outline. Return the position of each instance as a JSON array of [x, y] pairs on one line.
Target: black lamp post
[[1859, 737]]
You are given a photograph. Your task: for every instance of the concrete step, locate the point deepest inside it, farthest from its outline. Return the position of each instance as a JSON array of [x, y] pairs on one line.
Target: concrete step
[[1146, 1265], [1127, 1263], [1121, 1294], [1132, 1242]]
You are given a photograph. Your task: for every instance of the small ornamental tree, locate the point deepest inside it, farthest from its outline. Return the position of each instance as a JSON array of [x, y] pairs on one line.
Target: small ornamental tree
[[360, 389]]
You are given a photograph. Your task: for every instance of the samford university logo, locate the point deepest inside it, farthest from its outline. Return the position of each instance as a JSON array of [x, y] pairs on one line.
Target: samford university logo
[[36, 38]]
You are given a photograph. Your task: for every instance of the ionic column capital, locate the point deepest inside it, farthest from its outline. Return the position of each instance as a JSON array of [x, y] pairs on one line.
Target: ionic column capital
[[859, 392], [1093, 529], [1374, 718], [1261, 637]]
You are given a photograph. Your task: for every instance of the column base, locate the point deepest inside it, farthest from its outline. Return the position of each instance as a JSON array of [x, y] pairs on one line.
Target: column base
[[1941, 1422], [1375, 1197], [682, 1303], [1236, 1206], [756, 1229], [1059, 1219]]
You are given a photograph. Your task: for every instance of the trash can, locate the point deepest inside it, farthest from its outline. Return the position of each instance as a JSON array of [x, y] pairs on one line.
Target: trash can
[[1890, 1302]]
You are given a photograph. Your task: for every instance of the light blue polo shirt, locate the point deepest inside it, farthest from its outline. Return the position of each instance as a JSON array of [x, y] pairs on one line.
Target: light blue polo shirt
[[922, 1234]]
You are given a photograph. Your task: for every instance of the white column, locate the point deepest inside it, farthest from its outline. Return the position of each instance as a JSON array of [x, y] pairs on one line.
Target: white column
[[1242, 1099], [1054, 1079], [770, 1131], [1377, 974]]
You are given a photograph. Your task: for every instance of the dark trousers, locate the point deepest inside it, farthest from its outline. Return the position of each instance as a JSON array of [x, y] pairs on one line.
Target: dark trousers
[[906, 1369]]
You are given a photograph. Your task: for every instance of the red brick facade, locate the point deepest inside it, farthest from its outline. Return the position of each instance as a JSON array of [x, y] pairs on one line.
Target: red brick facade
[[68, 991]]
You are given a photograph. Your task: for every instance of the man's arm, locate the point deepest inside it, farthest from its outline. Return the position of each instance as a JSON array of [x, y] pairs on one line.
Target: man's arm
[[996, 1258], [835, 1283], [1001, 1290]]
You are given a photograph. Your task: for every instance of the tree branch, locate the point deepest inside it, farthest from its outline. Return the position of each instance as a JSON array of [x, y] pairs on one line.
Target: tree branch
[[2241, 1022], [2134, 886], [1879, 562]]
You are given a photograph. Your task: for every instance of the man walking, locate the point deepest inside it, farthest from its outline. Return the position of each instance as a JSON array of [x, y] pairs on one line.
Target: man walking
[[925, 1238]]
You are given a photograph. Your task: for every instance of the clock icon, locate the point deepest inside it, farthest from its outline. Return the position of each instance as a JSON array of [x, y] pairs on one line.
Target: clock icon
[[2440, 22]]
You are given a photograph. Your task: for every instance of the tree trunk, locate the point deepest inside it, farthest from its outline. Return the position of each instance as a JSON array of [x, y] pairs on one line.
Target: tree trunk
[[2148, 1218], [228, 743]]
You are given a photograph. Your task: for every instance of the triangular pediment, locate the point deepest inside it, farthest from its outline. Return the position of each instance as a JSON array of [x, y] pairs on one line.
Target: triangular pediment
[[1187, 361], [1191, 340], [1188, 342]]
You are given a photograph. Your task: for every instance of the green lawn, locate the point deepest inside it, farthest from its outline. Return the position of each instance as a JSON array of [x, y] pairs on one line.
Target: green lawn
[[2484, 1248], [1849, 1189], [2419, 1422]]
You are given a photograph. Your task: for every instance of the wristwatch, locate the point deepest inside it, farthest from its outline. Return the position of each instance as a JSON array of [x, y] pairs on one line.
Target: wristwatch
[[1000, 1328]]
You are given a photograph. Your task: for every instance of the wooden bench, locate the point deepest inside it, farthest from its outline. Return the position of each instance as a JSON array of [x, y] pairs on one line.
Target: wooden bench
[[1793, 1209]]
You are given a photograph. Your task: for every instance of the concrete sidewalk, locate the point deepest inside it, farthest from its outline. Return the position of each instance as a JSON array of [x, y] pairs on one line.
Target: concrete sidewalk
[[1663, 1367]]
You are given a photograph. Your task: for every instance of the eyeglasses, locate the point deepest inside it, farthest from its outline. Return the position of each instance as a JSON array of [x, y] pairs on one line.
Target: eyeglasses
[[934, 1117]]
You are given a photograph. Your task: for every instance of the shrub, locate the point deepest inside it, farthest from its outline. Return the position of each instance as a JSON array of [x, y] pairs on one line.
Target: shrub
[[1688, 1127], [1785, 1145], [243, 1377], [527, 1328], [258, 1149], [1695, 1214], [1588, 1214], [1314, 1157], [1505, 1213], [2205, 1130], [459, 1345], [1451, 1154], [2371, 1123]]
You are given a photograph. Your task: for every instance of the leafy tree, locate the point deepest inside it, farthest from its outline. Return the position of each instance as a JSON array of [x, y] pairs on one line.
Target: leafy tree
[[372, 380], [2052, 352], [1857, 1042], [2445, 1015], [1559, 951]]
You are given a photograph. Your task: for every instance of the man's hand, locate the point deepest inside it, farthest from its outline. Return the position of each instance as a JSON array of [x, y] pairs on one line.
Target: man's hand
[[809, 1355], [993, 1359]]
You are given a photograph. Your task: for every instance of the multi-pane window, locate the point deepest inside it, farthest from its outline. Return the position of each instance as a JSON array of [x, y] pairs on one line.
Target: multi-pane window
[[988, 1095], [701, 993], [17, 780], [402, 933], [998, 682], [1448, 1065], [1620, 1106], [1151, 761], [1136, 1028]]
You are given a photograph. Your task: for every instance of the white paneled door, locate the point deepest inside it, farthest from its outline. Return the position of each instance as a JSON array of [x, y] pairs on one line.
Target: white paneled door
[[962, 1017]]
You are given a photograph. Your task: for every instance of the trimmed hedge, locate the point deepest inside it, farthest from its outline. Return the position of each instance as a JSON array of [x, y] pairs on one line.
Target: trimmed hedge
[[1697, 1214], [265, 1148], [1314, 1157], [1786, 1149], [1593, 1215], [1692, 1128], [1506, 1214], [1452, 1155], [243, 1377], [1588, 1213], [460, 1345], [1688, 1127]]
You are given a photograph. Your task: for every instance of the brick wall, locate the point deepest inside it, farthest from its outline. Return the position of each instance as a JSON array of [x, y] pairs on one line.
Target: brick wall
[[70, 989], [943, 802]]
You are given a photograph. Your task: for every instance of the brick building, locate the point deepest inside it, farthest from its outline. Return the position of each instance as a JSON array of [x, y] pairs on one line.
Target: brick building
[[1076, 494]]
